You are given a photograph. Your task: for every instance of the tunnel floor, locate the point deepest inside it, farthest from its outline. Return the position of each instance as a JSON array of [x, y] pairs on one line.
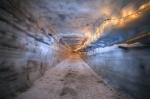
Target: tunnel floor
[[71, 79]]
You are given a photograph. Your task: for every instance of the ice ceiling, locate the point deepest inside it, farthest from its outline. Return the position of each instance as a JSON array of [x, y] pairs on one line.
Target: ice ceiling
[[102, 22]]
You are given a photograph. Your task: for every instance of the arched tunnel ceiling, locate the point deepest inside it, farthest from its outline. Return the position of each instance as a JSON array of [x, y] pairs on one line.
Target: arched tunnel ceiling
[[74, 16]]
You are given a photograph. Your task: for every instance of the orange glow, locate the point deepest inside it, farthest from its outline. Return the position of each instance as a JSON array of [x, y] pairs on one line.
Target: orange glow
[[128, 14], [144, 6], [70, 52]]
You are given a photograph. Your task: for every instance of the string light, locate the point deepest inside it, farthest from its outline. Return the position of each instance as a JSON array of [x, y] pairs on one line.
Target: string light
[[127, 15]]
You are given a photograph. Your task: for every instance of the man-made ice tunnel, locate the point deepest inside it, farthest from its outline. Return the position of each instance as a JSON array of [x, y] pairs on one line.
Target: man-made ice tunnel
[[74, 49]]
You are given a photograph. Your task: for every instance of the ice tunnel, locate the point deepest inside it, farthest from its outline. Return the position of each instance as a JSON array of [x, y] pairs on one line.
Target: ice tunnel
[[74, 49]]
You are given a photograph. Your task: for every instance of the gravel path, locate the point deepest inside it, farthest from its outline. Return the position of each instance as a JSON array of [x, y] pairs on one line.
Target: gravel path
[[70, 79]]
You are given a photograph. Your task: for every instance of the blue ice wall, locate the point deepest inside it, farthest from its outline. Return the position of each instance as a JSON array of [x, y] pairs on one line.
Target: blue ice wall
[[126, 70]]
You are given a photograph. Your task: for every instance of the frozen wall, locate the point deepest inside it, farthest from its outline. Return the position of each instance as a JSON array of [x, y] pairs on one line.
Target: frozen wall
[[25, 52], [22, 60], [127, 70]]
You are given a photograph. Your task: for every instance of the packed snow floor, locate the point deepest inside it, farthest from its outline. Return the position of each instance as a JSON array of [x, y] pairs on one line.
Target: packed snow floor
[[71, 79]]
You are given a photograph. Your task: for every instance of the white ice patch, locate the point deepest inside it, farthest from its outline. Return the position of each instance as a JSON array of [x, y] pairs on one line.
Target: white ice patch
[[102, 50]]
